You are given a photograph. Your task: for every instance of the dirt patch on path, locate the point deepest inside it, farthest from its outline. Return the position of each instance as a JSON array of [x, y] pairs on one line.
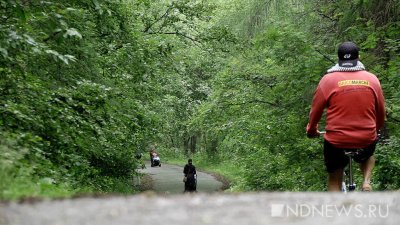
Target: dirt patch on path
[[146, 183], [226, 184]]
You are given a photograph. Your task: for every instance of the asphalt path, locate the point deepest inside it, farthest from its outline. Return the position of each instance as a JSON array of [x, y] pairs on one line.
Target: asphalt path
[[167, 179]]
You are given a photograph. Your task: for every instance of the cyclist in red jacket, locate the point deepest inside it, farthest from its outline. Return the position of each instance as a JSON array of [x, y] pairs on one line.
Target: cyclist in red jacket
[[355, 111]]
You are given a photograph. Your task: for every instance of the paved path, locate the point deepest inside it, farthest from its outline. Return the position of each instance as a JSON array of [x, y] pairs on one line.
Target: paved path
[[215, 209], [168, 179]]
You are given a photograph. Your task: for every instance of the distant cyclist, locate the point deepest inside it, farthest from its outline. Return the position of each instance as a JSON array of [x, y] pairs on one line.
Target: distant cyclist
[[355, 112]]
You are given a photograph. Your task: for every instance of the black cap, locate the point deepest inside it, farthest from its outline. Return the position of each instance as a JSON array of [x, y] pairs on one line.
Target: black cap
[[348, 54]]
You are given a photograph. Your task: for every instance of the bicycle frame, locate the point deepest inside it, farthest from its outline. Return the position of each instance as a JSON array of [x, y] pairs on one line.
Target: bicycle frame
[[350, 153], [352, 185]]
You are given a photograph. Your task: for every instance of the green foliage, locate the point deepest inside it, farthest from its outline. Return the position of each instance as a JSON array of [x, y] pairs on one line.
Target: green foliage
[[84, 86], [257, 111], [388, 163], [21, 159], [79, 136]]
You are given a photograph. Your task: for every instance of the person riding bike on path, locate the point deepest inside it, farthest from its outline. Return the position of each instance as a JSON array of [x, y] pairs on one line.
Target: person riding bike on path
[[355, 112]]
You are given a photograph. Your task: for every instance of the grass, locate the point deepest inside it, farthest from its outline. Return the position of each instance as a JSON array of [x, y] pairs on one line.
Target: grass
[[22, 186], [25, 187]]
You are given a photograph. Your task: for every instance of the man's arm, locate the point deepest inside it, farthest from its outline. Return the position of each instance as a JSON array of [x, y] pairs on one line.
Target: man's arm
[[317, 109]]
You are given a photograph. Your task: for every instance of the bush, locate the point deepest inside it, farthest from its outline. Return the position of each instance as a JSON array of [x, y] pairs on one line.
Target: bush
[[387, 173]]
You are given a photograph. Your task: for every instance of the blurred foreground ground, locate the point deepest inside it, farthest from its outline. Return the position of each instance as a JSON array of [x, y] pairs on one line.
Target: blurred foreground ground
[[247, 208]]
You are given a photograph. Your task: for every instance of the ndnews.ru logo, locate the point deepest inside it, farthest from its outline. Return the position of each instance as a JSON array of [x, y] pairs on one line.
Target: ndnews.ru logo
[[330, 210]]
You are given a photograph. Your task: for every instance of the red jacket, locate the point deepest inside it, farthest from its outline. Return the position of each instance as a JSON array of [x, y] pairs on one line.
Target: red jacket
[[355, 108]]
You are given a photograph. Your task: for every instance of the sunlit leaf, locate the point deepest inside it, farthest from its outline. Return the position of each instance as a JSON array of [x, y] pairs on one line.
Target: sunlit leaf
[[73, 33]]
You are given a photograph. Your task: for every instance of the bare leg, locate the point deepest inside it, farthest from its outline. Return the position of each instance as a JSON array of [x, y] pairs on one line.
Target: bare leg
[[335, 180], [366, 168]]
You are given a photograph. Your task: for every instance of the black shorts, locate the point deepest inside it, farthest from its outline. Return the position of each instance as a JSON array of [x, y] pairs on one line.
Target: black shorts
[[336, 159]]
